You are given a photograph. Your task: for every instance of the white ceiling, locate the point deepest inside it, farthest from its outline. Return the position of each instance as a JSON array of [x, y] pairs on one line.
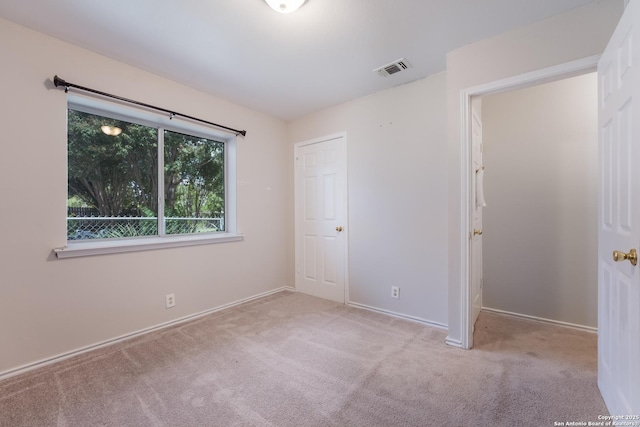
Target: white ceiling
[[284, 65]]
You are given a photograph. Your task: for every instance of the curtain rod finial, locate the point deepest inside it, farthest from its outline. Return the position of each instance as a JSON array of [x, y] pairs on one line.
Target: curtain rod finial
[[57, 81]]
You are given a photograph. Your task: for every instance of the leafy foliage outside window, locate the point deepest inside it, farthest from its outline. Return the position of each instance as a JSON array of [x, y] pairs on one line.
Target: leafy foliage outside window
[[193, 178], [116, 179]]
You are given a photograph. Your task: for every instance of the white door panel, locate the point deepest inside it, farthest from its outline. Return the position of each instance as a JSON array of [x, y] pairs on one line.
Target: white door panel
[[320, 180], [476, 211], [618, 220]]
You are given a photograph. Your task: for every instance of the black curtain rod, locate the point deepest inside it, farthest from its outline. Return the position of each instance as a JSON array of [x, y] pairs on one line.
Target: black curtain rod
[[57, 81]]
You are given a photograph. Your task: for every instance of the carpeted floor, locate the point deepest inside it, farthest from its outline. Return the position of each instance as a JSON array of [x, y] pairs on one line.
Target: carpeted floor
[[295, 360]]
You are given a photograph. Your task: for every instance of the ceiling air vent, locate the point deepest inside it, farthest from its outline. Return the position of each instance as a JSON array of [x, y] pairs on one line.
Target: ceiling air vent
[[393, 68]]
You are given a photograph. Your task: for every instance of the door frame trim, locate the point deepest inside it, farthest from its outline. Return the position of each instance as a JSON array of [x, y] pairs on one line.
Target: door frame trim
[[345, 212], [545, 75]]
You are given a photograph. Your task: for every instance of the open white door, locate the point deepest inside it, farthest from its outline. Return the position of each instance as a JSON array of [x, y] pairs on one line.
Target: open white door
[[320, 207], [477, 203], [619, 219]]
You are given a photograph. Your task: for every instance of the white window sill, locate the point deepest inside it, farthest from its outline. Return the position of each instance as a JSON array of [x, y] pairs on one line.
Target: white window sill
[[88, 248]]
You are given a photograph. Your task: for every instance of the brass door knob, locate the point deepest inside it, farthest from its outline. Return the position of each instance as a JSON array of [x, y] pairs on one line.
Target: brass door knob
[[477, 232], [339, 228], [632, 256]]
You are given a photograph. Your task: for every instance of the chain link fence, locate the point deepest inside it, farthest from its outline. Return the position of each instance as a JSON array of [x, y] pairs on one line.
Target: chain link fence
[[90, 227]]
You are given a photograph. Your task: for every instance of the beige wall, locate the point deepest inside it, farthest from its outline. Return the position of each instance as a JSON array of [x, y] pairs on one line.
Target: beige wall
[[396, 148], [540, 224], [579, 33], [50, 306]]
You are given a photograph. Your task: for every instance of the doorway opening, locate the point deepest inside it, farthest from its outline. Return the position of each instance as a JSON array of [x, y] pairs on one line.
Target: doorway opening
[[539, 242], [469, 174]]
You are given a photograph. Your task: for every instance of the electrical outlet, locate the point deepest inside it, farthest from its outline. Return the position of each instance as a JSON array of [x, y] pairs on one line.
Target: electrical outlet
[[395, 292], [171, 300]]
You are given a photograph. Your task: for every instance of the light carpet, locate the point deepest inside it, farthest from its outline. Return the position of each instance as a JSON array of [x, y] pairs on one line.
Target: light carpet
[[295, 360]]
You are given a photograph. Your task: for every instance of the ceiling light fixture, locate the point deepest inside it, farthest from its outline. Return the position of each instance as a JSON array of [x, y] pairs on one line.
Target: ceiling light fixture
[[285, 6], [111, 130]]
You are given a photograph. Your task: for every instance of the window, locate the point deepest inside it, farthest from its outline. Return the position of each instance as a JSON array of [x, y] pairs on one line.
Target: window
[[138, 176]]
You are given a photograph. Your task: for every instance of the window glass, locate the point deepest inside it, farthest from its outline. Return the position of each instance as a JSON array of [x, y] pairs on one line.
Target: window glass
[[113, 180], [194, 186]]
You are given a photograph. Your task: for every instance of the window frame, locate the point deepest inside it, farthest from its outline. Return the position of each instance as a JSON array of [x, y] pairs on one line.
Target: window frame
[[121, 111]]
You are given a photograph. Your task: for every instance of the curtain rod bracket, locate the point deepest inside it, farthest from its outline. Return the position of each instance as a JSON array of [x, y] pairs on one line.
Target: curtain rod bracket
[[57, 81]]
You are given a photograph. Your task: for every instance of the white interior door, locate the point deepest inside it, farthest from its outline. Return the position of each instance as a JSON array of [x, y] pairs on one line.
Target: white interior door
[[320, 203], [619, 219], [477, 202]]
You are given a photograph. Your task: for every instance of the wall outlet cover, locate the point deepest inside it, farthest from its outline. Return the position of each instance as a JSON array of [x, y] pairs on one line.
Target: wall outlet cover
[[170, 300]]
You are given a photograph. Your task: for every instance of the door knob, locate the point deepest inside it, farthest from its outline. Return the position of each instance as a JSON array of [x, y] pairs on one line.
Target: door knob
[[632, 256], [339, 228], [477, 232]]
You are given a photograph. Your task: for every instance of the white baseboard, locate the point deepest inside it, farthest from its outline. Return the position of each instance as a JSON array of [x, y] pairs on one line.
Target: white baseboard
[[542, 319], [453, 343], [399, 315], [60, 357]]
